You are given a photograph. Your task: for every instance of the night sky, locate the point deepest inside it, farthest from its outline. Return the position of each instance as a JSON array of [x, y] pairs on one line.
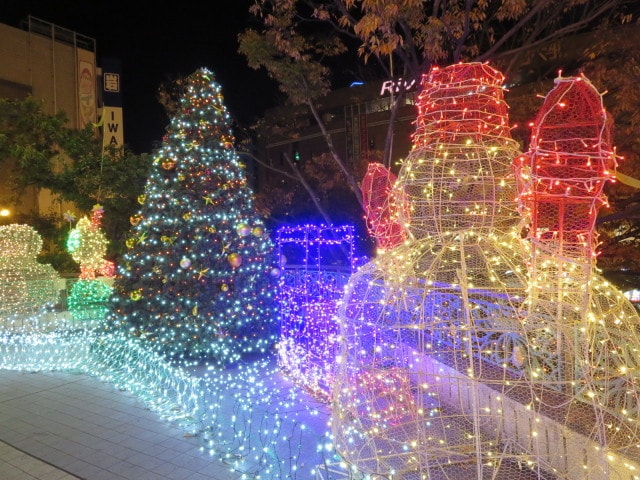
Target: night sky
[[156, 43]]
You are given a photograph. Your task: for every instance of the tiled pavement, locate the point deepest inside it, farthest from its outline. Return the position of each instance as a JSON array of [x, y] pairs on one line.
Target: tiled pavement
[[56, 426]]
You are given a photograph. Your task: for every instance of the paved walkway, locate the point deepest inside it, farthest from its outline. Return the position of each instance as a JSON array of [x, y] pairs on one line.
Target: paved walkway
[[65, 426]]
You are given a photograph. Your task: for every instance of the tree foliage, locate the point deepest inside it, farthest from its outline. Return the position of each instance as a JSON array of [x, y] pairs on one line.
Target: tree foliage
[[41, 151], [308, 45], [303, 43], [298, 40]]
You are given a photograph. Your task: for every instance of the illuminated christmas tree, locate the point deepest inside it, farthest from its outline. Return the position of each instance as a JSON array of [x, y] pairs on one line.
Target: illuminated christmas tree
[[198, 281]]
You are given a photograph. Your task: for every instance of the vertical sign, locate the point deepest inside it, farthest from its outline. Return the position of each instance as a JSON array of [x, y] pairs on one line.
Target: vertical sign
[[112, 127], [87, 101]]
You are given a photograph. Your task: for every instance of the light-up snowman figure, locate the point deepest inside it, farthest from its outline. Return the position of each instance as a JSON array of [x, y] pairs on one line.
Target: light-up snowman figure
[[450, 362], [422, 323]]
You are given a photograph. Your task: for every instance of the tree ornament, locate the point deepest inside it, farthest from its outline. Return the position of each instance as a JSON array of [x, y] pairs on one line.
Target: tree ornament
[[169, 164], [185, 263], [136, 295], [234, 260], [257, 231], [135, 219], [142, 198], [243, 229]]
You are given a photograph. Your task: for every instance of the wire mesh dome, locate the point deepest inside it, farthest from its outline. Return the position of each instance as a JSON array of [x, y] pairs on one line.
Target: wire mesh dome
[[454, 178], [481, 354], [431, 343]]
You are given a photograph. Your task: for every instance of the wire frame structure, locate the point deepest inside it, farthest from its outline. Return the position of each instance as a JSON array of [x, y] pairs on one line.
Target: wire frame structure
[[560, 183], [449, 367], [27, 287], [381, 206], [458, 175], [316, 263], [583, 333], [562, 176]]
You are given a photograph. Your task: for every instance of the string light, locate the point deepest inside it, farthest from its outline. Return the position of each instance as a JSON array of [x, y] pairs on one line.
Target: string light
[[381, 207], [316, 262], [448, 360], [87, 244], [27, 287], [245, 414]]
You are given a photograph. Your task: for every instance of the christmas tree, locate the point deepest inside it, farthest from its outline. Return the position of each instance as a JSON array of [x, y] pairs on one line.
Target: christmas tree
[[198, 279]]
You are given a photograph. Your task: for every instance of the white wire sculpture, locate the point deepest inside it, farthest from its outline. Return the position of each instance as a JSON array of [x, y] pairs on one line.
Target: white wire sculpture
[[467, 353]]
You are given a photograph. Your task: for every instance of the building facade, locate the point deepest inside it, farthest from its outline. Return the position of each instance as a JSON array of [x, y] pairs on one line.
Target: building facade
[[57, 67], [357, 118]]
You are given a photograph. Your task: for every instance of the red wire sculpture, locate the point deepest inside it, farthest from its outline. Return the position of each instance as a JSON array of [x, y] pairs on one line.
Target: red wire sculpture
[[381, 206], [561, 177]]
